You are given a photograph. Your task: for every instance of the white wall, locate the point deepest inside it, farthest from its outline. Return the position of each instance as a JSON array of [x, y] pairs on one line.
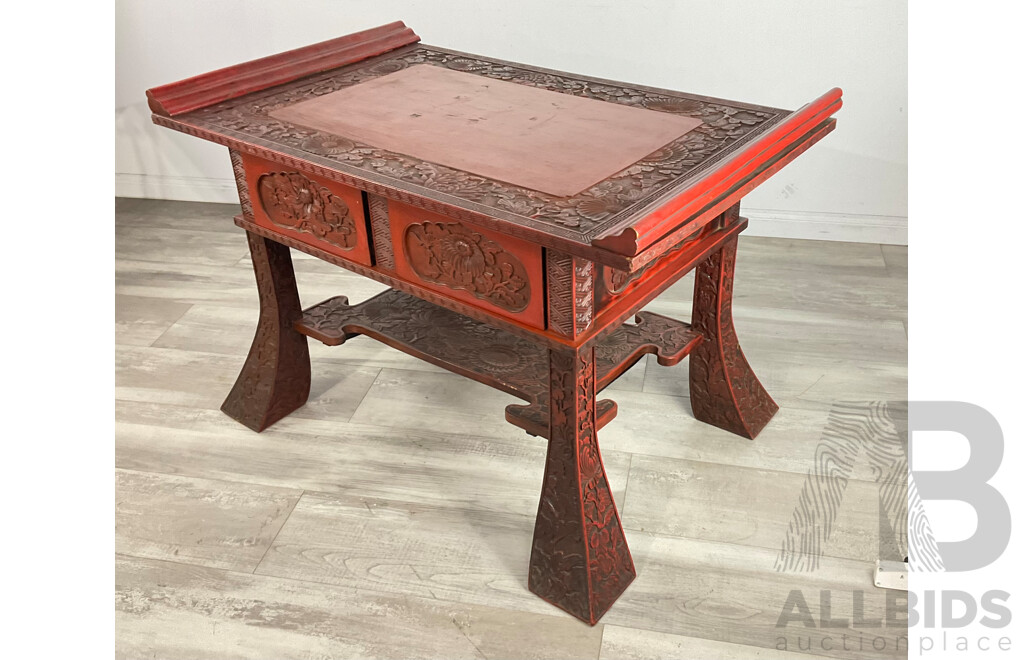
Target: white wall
[[783, 53]]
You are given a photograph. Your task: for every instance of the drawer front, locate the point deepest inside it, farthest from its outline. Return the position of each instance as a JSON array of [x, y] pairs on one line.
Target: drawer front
[[485, 269], [310, 209]]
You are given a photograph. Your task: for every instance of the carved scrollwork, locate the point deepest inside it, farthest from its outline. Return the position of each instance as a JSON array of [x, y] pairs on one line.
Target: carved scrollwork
[[292, 200], [453, 255]]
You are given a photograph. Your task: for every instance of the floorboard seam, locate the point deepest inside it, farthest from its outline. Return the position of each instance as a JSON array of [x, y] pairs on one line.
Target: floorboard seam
[[355, 410], [152, 344], [274, 540]]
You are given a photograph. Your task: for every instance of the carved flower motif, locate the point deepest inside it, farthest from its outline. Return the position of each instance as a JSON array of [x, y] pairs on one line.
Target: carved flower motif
[[607, 90], [597, 208], [538, 79], [670, 154], [321, 88], [291, 200], [327, 145], [676, 105], [454, 255], [501, 72], [462, 254], [466, 64], [726, 122], [748, 118], [600, 537], [607, 564], [384, 68], [520, 206], [590, 462], [455, 181], [501, 358]]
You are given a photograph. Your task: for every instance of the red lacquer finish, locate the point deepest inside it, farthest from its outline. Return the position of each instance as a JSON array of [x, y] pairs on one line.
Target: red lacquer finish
[[275, 377], [673, 212], [530, 287], [580, 561], [234, 81], [723, 389], [492, 271], [326, 214]]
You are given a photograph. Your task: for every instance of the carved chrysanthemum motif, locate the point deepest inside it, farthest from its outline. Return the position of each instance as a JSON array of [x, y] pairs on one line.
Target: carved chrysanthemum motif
[[458, 249], [329, 145], [453, 255], [598, 207], [668, 154], [291, 200], [384, 68], [676, 105], [465, 64], [500, 358]]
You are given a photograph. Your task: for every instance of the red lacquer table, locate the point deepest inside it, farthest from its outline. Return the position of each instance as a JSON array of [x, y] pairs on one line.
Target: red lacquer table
[[522, 217]]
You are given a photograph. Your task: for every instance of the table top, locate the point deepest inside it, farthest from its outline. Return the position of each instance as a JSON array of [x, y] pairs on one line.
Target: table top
[[533, 138], [541, 153]]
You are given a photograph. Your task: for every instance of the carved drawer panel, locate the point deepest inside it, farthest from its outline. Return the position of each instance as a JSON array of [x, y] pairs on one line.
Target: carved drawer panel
[[322, 213], [486, 269]]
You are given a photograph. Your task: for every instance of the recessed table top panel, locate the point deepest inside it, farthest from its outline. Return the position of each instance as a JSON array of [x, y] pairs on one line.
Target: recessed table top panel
[[528, 136], [725, 129]]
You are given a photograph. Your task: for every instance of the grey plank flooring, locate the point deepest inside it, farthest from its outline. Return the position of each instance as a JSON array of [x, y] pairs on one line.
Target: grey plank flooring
[[669, 496], [637, 644], [211, 523], [391, 516], [179, 611], [142, 321], [343, 459]]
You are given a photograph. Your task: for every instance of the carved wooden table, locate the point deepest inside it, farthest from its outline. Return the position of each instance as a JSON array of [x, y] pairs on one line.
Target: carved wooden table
[[522, 217]]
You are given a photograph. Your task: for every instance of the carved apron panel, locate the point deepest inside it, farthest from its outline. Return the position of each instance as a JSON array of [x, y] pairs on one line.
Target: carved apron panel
[[292, 200], [491, 271], [304, 207], [457, 257]]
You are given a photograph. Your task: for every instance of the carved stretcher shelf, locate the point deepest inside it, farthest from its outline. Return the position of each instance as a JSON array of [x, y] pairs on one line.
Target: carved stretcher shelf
[[522, 218], [488, 354]]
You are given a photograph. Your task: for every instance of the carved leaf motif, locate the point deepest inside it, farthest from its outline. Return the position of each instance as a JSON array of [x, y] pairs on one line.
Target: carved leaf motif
[[455, 256], [291, 200]]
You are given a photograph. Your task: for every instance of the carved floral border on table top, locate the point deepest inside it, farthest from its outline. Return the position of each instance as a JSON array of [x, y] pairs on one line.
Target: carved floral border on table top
[[583, 215]]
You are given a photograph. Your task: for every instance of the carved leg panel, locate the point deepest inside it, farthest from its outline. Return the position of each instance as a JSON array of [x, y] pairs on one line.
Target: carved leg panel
[[723, 389], [275, 378], [580, 561]]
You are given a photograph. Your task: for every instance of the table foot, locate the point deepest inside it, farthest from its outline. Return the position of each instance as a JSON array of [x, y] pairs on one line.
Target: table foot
[[580, 561], [724, 391], [275, 378]]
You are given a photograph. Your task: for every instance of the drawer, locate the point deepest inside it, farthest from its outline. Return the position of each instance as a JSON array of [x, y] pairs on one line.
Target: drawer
[[307, 208], [486, 269]]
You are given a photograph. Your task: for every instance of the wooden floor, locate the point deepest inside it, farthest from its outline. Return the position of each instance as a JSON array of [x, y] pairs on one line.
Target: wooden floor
[[391, 517]]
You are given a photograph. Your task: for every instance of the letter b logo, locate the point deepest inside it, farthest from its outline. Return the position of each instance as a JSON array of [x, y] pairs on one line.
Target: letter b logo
[[967, 484]]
